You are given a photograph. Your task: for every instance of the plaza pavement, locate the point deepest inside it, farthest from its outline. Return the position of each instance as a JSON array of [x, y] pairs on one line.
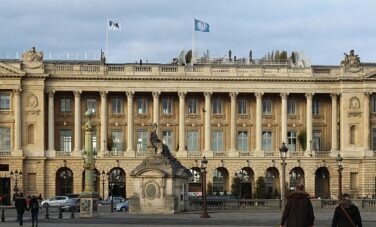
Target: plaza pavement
[[253, 218]]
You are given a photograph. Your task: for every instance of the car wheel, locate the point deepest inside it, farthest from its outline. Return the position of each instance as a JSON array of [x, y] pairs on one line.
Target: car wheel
[[123, 209]]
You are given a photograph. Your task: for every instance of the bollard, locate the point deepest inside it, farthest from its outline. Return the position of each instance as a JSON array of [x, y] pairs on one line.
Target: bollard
[[2, 215], [72, 212], [47, 214], [60, 212]]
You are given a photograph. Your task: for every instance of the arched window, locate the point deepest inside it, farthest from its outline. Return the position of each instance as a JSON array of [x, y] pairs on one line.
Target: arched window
[[117, 182], [64, 181], [322, 183], [296, 177], [195, 186], [220, 180]]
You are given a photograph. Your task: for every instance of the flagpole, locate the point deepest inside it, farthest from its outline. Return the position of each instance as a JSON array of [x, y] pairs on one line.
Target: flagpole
[[107, 40], [193, 42]]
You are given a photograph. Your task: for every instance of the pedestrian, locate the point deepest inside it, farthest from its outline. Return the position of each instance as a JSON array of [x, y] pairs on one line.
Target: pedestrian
[[21, 206], [34, 209], [346, 213], [298, 211]]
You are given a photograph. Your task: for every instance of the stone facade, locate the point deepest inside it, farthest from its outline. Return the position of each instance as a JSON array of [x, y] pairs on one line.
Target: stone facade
[[236, 115]]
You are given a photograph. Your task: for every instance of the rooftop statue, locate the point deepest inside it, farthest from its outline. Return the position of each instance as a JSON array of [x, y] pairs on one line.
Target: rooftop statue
[[32, 59], [351, 60]]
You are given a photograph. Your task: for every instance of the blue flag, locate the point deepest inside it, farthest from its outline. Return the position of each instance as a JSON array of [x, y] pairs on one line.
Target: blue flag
[[201, 26]]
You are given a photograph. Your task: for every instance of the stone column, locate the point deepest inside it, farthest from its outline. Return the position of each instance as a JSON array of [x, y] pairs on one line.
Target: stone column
[[182, 152], [334, 124], [103, 150], [77, 123], [258, 96], [232, 153], [130, 150], [207, 149], [156, 107], [17, 123], [51, 124], [367, 128], [284, 97], [309, 97]]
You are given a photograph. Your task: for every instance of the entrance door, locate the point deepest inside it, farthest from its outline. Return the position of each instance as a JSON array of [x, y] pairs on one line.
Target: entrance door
[[246, 190], [5, 190]]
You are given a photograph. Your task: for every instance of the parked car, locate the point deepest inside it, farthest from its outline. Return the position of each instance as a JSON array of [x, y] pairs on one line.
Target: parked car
[[71, 203], [54, 201], [117, 199], [122, 206]]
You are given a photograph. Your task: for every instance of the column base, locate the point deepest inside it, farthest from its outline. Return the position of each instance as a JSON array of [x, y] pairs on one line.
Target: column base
[[130, 153], [103, 154], [368, 153], [209, 154], [309, 153], [333, 153], [51, 153], [259, 153], [233, 153], [182, 154]]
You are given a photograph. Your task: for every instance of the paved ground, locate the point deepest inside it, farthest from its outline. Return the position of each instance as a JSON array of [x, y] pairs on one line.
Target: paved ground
[[254, 218]]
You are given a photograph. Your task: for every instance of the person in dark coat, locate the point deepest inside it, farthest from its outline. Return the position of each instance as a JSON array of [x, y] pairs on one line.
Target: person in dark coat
[[298, 211], [20, 203], [34, 209], [340, 219]]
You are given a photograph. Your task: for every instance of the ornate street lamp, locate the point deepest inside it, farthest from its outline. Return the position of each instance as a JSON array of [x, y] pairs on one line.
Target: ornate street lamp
[[283, 151], [111, 184], [103, 181], [16, 176], [204, 164], [339, 160]]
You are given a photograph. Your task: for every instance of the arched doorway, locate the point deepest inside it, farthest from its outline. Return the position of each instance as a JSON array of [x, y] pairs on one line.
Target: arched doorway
[[272, 183], [117, 182], [64, 181], [5, 190], [195, 186], [296, 177], [220, 181], [247, 178], [322, 180], [96, 181]]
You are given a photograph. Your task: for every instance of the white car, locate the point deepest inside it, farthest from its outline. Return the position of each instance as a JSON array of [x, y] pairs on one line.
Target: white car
[[54, 201]]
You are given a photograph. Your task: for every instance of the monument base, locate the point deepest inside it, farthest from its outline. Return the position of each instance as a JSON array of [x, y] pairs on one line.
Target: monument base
[[88, 204]]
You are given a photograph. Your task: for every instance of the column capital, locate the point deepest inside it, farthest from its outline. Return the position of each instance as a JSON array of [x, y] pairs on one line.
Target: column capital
[[50, 93], [367, 94], [103, 94], [259, 95], [17, 91], [156, 94], [208, 94], [182, 94], [284, 95], [309, 95], [334, 96], [233, 95], [77, 93], [130, 94]]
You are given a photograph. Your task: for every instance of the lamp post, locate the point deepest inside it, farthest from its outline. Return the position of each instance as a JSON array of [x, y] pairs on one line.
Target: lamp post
[[111, 184], [339, 160], [283, 151], [16, 176], [103, 180], [204, 163]]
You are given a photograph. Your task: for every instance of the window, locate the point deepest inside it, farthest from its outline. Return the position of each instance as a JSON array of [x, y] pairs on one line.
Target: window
[[167, 105], [242, 106], [291, 106], [316, 136], [374, 139], [66, 140], [374, 104], [219, 180], [291, 141], [192, 140], [315, 107], [65, 105], [91, 104], [217, 141], [217, 106], [192, 106], [242, 141], [142, 141], [5, 139], [267, 141], [117, 140], [117, 105], [4, 101], [141, 105], [267, 107], [167, 138]]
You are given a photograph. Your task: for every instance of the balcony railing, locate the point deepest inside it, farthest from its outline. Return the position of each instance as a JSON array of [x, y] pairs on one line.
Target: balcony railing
[[5, 153], [116, 153], [63, 153]]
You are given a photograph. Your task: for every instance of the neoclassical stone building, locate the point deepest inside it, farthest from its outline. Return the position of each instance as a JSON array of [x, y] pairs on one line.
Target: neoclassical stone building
[[236, 115]]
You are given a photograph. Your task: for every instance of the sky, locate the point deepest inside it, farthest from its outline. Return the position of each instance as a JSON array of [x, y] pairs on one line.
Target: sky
[[158, 30]]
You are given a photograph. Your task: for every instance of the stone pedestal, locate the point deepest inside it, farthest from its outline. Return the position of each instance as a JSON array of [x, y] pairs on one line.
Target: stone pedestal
[[88, 205], [160, 187]]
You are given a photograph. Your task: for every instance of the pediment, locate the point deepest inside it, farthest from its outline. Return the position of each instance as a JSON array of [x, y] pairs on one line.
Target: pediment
[[9, 71]]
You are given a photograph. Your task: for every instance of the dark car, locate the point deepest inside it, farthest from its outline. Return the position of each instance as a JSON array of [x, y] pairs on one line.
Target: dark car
[[72, 203]]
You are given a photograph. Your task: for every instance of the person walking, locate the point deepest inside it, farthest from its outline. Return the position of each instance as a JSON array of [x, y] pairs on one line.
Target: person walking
[[346, 213], [34, 209], [298, 211], [20, 203]]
